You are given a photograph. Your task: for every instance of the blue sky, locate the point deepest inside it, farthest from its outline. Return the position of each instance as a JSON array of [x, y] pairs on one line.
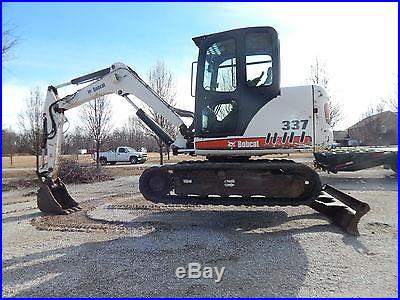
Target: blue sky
[[60, 41]]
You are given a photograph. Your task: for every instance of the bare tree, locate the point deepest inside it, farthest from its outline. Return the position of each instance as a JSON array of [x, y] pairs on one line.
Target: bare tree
[[161, 81], [392, 103], [75, 140], [378, 108], [319, 76], [8, 39], [371, 129], [96, 117], [8, 138], [30, 121], [391, 100], [136, 132]]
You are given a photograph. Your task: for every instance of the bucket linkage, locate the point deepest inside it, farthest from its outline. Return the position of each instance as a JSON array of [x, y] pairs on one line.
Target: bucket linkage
[[342, 209], [53, 197]]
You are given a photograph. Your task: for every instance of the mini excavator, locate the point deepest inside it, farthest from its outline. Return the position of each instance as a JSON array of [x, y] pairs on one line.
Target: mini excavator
[[241, 113]]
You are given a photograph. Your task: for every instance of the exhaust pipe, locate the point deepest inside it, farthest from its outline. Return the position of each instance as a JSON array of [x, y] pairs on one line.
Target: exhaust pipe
[[53, 198]]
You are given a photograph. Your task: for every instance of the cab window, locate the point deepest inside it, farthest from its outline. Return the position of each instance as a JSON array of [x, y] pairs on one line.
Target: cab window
[[258, 60], [220, 67], [121, 150], [219, 118]]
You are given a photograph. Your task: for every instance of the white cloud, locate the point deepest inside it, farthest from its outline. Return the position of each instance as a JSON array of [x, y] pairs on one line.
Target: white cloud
[[183, 96], [13, 98]]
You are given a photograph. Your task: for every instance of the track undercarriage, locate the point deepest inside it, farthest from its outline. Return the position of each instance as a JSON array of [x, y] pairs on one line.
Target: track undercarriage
[[257, 182], [251, 183]]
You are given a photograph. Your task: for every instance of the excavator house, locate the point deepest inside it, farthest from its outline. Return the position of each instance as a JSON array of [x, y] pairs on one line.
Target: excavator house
[[241, 114]]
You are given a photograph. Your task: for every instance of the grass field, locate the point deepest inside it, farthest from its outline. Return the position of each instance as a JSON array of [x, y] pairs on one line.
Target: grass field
[[25, 165], [29, 161]]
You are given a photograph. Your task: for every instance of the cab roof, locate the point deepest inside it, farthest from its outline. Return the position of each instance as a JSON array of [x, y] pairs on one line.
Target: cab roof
[[199, 39]]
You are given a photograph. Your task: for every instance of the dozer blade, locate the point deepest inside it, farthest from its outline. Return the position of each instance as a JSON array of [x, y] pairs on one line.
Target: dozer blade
[[342, 209], [55, 199]]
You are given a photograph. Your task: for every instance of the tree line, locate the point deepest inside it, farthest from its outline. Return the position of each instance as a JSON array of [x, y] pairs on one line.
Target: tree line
[[79, 138], [133, 134], [95, 131]]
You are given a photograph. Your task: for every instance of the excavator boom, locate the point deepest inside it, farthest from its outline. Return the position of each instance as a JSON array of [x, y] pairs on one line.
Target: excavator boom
[[119, 79]]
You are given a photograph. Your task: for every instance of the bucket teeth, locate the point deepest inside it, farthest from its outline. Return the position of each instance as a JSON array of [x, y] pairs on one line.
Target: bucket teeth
[[53, 198], [342, 209]]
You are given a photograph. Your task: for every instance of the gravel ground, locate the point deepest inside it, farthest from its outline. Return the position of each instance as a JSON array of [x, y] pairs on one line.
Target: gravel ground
[[271, 252]]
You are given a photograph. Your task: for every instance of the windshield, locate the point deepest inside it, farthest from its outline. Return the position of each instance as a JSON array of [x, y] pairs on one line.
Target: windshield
[[130, 149]]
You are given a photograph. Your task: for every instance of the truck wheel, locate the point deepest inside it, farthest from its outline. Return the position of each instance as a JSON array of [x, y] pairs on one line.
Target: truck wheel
[[103, 161], [133, 160]]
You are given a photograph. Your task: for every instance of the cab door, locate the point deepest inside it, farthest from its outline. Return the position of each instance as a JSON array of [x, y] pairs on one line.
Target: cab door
[[217, 97], [122, 154], [238, 73]]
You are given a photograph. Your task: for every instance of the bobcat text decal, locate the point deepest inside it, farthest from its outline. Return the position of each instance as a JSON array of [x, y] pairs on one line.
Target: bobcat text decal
[[271, 141], [96, 88]]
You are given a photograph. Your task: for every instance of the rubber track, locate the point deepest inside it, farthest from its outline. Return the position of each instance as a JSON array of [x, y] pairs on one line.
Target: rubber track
[[235, 201]]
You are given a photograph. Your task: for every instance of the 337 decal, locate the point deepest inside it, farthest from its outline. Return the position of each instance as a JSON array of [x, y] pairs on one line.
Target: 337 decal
[[294, 124]]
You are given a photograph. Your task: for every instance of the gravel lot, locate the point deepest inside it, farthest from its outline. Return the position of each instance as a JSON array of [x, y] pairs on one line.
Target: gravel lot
[[112, 250]]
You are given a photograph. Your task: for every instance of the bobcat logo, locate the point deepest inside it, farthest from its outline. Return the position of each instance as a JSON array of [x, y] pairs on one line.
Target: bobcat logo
[[96, 88], [231, 144]]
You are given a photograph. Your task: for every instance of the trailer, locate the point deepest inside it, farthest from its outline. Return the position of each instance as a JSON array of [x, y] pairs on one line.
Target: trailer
[[349, 159]]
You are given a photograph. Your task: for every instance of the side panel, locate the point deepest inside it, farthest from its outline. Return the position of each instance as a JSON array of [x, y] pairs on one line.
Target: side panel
[[285, 124], [118, 155], [111, 156], [288, 119]]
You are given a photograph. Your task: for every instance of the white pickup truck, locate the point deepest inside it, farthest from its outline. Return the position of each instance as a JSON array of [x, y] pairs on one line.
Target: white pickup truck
[[122, 154]]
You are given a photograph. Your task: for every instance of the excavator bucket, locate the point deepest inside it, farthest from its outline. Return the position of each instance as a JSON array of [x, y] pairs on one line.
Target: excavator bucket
[[342, 209], [54, 198]]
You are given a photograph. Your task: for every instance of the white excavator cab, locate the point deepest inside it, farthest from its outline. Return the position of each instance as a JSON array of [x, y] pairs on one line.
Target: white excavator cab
[[241, 109]]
